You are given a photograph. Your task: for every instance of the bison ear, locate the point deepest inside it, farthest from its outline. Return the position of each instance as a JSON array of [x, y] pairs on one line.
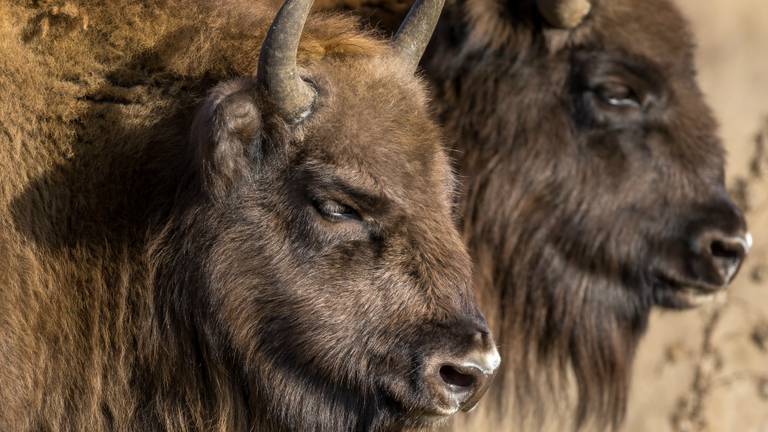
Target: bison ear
[[226, 134]]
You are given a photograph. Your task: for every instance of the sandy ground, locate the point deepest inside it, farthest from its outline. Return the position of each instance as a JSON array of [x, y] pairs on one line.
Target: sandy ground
[[707, 370]]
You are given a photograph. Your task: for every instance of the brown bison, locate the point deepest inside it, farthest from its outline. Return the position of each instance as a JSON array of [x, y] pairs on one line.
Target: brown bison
[[593, 189], [196, 236]]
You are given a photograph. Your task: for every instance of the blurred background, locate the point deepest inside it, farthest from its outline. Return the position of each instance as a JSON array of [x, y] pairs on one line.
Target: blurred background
[[707, 370]]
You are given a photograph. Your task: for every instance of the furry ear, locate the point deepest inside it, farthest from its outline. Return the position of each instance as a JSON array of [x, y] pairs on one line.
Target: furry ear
[[225, 131]]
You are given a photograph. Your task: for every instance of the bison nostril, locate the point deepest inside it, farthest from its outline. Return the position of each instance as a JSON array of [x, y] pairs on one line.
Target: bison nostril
[[459, 382], [726, 253], [457, 378], [733, 251]]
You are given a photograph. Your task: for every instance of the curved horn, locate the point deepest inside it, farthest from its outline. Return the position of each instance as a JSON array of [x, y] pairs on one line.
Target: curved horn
[[413, 36], [564, 14], [278, 74]]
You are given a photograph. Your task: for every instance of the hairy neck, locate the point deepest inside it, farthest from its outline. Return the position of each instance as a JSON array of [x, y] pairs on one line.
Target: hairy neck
[[564, 331]]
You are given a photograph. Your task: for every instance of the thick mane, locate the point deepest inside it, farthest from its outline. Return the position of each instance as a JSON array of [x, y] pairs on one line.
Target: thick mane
[[97, 99], [556, 316]]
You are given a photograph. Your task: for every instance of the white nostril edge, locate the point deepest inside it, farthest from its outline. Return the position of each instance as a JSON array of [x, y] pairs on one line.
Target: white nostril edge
[[745, 242], [487, 361]]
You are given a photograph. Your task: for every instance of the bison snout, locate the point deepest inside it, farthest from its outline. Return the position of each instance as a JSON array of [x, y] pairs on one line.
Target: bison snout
[[720, 255], [459, 382], [714, 245]]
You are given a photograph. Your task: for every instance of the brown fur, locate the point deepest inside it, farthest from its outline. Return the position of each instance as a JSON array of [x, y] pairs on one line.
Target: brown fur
[[163, 265]]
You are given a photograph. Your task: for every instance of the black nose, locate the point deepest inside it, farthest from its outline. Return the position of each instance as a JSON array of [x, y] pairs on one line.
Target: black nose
[[460, 381], [720, 256]]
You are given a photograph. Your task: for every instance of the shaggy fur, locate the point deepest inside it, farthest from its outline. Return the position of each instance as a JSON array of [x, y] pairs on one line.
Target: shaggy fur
[[578, 211], [175, 257]]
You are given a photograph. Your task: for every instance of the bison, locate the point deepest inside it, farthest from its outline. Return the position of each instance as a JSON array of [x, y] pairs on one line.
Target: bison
[[593, 189], [594, 186], [210, 223]]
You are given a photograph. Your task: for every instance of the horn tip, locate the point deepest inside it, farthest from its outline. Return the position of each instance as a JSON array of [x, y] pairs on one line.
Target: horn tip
[[564, 14]]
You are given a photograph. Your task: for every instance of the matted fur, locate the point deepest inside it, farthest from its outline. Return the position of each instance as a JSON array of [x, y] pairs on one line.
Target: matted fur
[[161, 269]]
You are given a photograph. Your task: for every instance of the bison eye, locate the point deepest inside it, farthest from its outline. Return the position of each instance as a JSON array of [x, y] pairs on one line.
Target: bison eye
[[335, 211], [617, 95]]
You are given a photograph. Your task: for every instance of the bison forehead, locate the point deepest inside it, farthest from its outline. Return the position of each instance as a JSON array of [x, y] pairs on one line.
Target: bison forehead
[[373, 119], [654, 29], [388, 174]]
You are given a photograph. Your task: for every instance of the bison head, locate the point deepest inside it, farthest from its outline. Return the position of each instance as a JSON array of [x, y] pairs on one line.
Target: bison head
[[315, 257], [594, 180], [659, 208]]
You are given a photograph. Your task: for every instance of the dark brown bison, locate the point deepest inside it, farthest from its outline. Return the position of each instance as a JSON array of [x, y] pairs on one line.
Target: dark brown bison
[[593, 189], [188, 244]]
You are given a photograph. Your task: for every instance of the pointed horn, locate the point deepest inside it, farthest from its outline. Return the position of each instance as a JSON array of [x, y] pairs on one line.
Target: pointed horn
[[564, 14], [278, 74], [416, 30]]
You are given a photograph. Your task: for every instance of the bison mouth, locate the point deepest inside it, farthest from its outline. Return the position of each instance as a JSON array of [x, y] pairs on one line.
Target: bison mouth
[[679, 294], [430, 419], [418, 415], [460, 389]]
